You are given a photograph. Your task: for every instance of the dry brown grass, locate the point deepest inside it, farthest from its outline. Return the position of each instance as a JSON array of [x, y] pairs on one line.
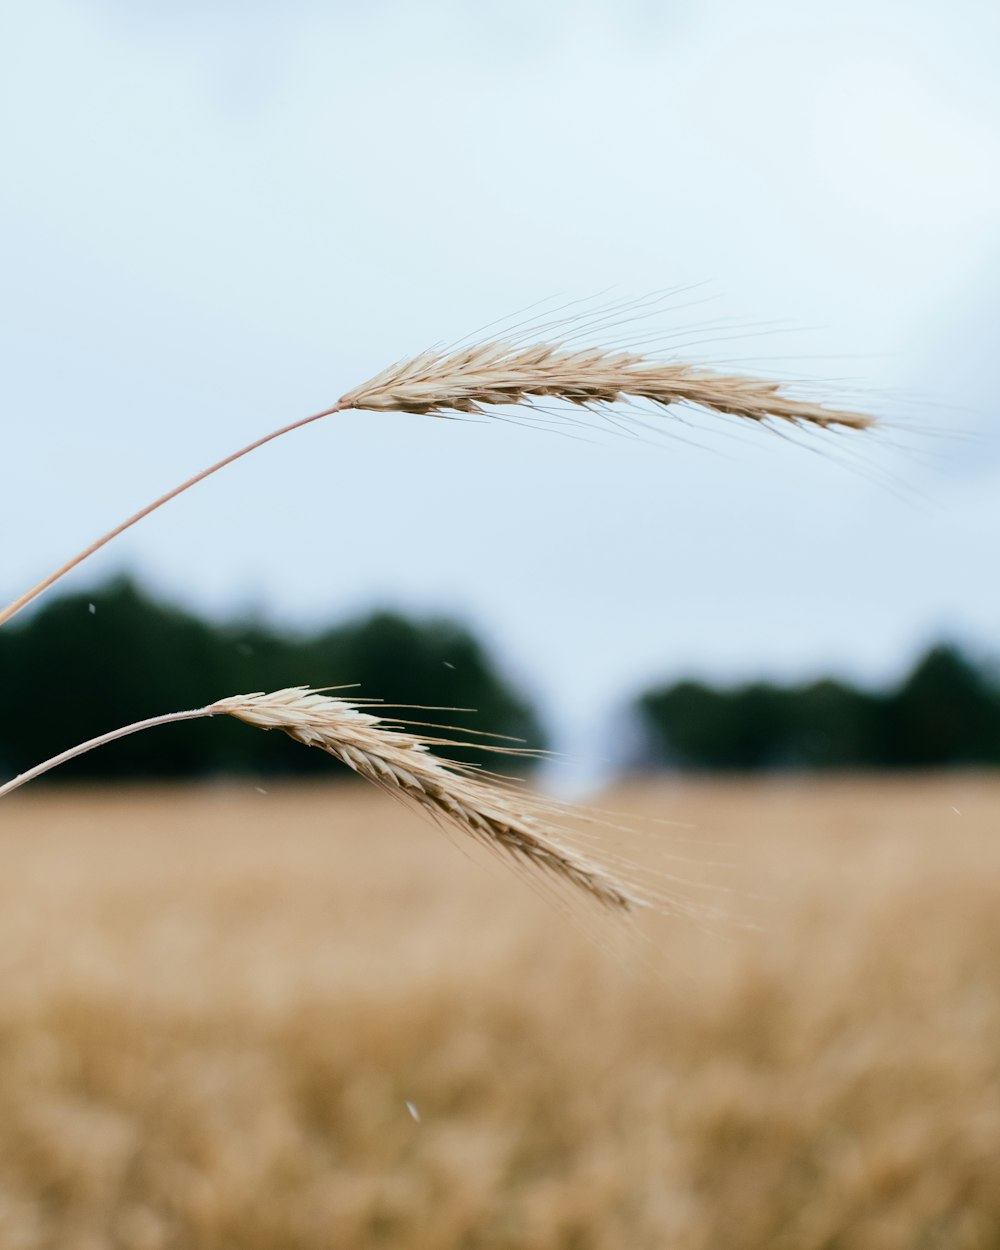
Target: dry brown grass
[[215, 1006]]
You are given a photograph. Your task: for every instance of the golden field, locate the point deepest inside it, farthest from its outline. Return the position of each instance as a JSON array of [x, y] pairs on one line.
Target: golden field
[[304, 1018]]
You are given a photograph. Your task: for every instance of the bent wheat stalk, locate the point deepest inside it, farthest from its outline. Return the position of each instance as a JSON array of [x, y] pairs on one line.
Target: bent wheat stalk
[[401, 763], [474, 379], [23, 600]]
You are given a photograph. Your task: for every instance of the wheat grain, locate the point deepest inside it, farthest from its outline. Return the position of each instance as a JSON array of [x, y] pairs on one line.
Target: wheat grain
[[475, 378], [402, 763]]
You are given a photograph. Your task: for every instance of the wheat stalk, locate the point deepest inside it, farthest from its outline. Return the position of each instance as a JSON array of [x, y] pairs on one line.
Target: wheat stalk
[[476, 378], [23, 600], [402, 763]]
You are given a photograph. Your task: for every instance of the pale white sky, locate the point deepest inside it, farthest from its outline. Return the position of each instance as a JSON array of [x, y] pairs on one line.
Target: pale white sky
[[215, 217]]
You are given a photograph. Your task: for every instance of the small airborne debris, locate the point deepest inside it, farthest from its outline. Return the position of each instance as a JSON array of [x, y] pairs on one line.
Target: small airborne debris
[[447, 664], [956, 811], [413, 1111], [260, 789], [92, 609]]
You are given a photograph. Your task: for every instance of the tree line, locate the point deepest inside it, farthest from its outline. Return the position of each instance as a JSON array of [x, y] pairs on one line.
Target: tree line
[[944, 713], [87, 663]]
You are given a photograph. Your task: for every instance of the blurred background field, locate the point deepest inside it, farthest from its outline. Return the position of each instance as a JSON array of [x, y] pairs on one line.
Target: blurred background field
[[302, 1017]]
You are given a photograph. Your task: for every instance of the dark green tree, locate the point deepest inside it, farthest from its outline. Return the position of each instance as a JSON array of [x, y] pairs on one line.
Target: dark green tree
[[945, 713]]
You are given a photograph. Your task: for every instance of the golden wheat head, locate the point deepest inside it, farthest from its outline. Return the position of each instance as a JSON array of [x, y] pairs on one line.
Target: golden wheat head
[[402, 763], [489, 374]]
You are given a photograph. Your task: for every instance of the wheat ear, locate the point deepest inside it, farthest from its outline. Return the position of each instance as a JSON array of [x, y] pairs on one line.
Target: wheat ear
[[487, 374], [501, 373], [403, 764]]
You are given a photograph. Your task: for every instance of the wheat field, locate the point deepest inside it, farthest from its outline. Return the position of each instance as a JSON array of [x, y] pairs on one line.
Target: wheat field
[[304, 1018]]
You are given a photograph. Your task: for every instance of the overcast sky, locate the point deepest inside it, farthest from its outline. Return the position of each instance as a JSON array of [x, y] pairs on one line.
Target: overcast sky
[[217, 217]]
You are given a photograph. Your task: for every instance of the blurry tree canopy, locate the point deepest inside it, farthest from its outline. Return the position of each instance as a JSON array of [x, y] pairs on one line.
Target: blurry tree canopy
[[91, 662], [945, 713]]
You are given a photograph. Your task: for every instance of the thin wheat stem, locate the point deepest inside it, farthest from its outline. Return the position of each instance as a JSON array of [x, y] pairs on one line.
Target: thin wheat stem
[[82, 749], [13, 608]]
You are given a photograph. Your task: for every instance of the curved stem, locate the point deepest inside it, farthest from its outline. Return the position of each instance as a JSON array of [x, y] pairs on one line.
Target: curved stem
[[35, 591], [84, 747]]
